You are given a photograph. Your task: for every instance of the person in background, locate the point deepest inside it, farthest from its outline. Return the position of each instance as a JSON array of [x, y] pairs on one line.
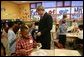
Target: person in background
[[74, 26], [62, 33], [4, 37], [64, 19], [74, 23], [44, 27], [11, 38], [79, 40], [25, 44], [33, 30], [16, 28]]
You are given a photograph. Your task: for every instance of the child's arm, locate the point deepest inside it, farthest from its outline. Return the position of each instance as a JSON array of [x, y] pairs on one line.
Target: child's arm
[[34, 44], [19, 49]]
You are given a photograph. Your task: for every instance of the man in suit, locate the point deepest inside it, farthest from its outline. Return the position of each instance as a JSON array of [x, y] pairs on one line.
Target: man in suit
[[44, 27]]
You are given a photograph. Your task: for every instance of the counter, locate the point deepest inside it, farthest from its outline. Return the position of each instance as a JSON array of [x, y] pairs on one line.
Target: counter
[[55, 52]]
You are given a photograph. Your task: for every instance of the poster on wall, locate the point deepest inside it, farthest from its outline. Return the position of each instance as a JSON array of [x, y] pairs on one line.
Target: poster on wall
[[33, 12], [63, 10], [76, 16], [77, 10], [50, 10], [34, 15]]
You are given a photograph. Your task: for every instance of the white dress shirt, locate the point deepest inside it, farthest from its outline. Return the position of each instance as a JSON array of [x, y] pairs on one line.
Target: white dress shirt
[[80, 34]]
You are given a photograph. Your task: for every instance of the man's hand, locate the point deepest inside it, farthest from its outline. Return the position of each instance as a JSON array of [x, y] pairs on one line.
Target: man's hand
[[39, 34]]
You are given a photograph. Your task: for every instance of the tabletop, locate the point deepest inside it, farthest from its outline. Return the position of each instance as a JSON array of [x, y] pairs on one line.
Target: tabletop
[[55, 52]]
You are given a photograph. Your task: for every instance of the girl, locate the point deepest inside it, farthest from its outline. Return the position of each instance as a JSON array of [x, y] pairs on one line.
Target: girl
[[25, 44]]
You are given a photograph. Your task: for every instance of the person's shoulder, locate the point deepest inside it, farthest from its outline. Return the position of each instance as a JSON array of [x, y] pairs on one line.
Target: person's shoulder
[[10, 31], [20, 40], [47, 14]]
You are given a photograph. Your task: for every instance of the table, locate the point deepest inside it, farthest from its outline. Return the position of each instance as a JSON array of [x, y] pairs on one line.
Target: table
[[71, 36], [74, 35], [64, 52], [55, 52], [70, 39]]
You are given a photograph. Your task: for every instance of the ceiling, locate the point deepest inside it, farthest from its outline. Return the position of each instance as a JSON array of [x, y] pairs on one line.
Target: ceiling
[[20, 2]]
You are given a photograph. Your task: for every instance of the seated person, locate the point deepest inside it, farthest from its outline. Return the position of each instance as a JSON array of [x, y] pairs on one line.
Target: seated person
[[25, 44], [73, 27], [79, 40]]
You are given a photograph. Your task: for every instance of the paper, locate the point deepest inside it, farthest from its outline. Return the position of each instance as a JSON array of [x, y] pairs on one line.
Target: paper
[[39, 53]]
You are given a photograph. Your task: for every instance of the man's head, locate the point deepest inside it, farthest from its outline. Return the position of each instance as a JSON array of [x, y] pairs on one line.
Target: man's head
[[64, 16], [40, 10]]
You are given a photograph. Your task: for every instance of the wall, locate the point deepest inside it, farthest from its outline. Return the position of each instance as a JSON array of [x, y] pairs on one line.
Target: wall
[[15, 11], [11, 10], [25, 11]]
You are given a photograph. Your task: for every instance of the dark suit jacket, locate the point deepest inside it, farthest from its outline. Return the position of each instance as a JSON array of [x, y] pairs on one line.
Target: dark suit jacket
[[45, 25]]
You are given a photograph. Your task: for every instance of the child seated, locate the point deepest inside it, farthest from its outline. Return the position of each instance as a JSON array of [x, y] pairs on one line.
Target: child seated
[[79, 40], [25, 44]]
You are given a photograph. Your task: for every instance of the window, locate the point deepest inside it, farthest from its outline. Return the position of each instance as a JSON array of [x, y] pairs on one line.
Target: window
[[33, 6], [59, 3], [63, 10], [77, 10], [38, 4], [77, 3], [49, 4], [73, 9], [66, 3]]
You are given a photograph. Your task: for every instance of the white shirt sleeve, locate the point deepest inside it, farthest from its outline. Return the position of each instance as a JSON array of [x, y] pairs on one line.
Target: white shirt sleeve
[[80, 34], [11, 36]]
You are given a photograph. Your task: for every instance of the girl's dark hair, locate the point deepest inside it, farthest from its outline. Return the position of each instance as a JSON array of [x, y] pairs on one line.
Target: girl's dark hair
[[10, 24], [23, 27], [80, 27]]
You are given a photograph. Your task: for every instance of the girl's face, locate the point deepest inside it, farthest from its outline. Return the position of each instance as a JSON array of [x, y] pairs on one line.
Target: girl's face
[[25, 33]]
